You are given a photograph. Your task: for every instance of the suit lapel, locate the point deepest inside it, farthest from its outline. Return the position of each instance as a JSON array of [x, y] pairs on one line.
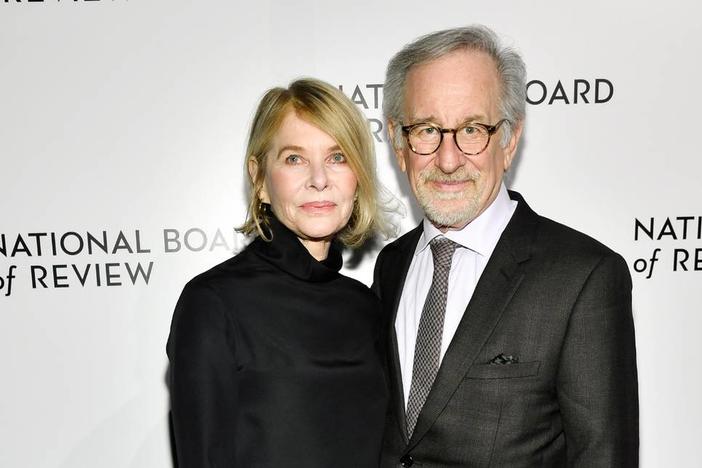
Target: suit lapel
[[497, 285], [401, 259]]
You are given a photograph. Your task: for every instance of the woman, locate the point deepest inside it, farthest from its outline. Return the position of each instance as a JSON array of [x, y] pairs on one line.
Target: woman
[[273, 353]]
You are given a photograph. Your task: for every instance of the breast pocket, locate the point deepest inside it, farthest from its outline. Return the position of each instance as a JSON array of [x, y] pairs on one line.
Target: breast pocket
[[504, 371]]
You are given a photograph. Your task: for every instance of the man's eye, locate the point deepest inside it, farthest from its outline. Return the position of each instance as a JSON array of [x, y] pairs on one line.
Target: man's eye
[[473, 131], [426, 130], [293, 159], [338, 158]]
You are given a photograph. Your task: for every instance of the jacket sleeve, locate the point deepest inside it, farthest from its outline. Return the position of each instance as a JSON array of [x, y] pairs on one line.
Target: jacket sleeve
[[202, 380], [597, 380]]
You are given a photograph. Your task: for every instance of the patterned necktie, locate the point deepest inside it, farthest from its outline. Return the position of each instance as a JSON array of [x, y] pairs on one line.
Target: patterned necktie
[[431, 326]]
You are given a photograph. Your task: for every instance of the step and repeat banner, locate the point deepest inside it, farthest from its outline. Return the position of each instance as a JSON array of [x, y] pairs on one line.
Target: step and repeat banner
[[122, 134]]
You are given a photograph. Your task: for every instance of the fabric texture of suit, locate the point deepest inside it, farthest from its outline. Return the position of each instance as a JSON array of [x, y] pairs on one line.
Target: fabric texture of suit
[[541, 371]]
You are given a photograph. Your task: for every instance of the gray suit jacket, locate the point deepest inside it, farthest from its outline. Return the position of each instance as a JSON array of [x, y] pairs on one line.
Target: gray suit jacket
[[559, 303]]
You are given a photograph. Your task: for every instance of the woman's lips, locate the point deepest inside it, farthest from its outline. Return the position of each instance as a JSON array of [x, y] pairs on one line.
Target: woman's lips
[[318, 206]]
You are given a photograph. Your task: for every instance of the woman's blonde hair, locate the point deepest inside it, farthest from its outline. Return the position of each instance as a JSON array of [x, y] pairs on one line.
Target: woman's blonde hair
[[330, 110]]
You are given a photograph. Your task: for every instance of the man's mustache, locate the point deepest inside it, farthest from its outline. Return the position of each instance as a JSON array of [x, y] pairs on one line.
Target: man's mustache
[[435, 174]]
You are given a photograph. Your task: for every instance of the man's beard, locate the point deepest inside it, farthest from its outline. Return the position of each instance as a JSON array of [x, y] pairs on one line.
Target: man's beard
[[464, 204]]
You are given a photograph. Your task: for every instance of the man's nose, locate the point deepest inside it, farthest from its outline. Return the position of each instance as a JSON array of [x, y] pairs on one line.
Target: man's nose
[[449, 157]]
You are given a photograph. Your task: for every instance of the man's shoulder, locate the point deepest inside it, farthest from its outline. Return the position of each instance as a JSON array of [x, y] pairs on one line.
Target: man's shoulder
[[553, 236], [570, 246], [562, 236], [559, 251], [403, 244]]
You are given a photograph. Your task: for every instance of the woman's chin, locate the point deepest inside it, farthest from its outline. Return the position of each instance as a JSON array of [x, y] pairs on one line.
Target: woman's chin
[[319, 232]]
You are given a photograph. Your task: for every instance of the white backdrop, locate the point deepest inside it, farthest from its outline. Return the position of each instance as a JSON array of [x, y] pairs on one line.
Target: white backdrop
[[122, 116]]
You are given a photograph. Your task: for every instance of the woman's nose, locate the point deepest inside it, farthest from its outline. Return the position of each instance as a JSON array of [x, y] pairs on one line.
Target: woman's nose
[[318, 178]]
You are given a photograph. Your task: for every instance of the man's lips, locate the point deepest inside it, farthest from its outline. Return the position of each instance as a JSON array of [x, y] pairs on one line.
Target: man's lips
[[450, 185]]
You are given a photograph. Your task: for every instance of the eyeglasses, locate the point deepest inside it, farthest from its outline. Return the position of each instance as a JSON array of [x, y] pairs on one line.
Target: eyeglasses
[[425, 138]]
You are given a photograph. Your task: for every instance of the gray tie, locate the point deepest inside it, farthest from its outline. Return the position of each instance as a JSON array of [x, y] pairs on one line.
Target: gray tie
[[431, 326]]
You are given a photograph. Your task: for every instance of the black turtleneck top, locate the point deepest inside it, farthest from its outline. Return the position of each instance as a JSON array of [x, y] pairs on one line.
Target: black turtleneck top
[[274, 362]]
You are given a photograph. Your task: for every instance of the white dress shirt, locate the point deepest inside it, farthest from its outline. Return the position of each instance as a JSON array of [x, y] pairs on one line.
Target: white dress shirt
[[476, 242]]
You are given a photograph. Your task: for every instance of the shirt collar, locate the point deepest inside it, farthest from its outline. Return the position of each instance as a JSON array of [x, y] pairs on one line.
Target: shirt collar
[[481, 234]]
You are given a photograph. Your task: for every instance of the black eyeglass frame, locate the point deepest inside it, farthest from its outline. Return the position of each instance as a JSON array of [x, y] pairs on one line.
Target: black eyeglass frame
[[490, 129]]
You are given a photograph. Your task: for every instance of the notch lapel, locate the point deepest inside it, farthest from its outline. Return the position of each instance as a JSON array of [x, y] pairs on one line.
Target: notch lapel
[[399, 259]]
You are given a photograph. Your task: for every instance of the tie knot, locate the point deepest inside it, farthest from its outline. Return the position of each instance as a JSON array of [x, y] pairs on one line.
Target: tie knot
[[442, 250]]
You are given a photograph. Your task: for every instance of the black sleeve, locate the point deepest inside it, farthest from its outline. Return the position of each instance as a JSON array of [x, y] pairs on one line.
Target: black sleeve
[[202, 380], [597, 380]]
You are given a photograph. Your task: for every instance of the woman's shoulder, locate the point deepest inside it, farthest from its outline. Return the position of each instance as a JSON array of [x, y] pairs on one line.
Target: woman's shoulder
[[214, 292], [349, 282], [354, 292], [226, 274]]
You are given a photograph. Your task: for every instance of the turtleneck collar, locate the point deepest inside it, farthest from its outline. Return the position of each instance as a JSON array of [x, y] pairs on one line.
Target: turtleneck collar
[[286, 252]]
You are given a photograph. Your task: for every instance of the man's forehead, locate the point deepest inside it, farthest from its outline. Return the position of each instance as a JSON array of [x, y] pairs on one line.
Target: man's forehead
[[458, 87], [416, 117], [459, 62]]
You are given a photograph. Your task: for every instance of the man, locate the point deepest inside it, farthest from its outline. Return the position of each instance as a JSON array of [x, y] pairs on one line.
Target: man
[[511, 342]]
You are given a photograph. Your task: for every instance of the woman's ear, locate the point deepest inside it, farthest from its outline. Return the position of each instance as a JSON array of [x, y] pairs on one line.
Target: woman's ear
[[255, 176]]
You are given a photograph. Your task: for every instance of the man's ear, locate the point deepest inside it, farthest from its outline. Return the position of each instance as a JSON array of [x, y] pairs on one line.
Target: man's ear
[[511, 149], [252, 166], [397, 147]]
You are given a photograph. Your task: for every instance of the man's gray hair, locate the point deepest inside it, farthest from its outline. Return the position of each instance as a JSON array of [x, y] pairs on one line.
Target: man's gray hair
[[510, 68]]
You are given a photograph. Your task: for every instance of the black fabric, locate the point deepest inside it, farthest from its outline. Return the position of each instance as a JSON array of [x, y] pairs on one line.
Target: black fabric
[[274, 362]]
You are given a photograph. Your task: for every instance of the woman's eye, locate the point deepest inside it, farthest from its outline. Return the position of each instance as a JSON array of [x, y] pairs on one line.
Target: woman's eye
[[338, 158], [293, 159]]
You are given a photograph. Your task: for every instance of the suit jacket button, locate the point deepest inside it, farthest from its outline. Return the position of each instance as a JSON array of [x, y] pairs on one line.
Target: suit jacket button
[[406, 461]]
